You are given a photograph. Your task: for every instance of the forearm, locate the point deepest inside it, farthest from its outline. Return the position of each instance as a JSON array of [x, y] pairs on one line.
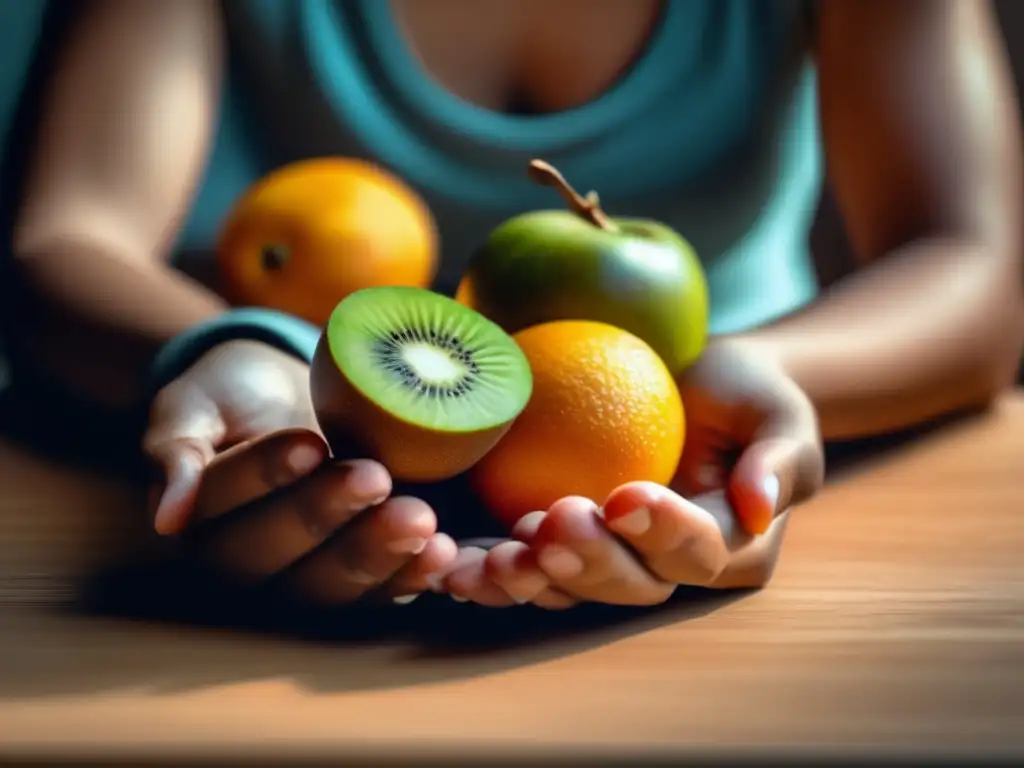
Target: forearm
[[111, 180], [932, 329], [92, 320]]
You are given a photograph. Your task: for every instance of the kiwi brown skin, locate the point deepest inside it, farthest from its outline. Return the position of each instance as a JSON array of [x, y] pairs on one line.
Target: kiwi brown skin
[[350, 422]]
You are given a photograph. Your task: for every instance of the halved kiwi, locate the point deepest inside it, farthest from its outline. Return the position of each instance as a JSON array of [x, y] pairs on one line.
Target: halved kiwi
[[418, 381]]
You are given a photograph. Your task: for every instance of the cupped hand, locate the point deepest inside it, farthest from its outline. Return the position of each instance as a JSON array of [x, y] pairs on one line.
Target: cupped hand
[[753, 450], [248, 477]]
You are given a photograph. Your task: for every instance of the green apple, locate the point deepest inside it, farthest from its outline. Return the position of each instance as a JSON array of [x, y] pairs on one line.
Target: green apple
[[580, 264]]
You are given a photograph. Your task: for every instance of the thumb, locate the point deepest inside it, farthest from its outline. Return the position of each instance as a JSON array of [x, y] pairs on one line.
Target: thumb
[[185, 428], [770, 476]]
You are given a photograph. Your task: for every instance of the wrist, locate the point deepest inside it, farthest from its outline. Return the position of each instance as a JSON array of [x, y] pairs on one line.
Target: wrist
[[250, 349], [285, 334], [259, 361], [755, 346]]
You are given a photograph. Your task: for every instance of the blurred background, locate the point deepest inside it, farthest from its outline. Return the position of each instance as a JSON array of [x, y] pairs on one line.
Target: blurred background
[[29, 29]]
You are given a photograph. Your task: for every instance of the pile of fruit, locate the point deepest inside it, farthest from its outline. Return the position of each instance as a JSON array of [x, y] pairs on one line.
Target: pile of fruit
[[551, 373]]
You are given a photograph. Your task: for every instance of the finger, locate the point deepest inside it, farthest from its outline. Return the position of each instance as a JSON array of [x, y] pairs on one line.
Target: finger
[[184, 430], [753, 558], [512, 565], [702, 469], [677, 540], [367, 553], [467, 581], [581, 557], [174, 498], [275, 532], [770, 476], [182, 414], [526, 528], [423, 573], [783, 465], [251, 470], [555, 600]]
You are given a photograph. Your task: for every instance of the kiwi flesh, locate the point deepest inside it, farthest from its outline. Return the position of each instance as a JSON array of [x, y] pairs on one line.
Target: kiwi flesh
[[417, 381]]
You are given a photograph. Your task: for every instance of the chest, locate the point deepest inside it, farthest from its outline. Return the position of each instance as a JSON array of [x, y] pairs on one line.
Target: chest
[[700, 132], [526, 54]]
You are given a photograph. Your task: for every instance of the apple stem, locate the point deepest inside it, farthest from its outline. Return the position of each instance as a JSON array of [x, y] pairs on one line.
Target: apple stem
[[588, 207]]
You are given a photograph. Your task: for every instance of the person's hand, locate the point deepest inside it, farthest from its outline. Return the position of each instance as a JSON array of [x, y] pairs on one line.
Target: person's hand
[[753, 450], [248, 474]]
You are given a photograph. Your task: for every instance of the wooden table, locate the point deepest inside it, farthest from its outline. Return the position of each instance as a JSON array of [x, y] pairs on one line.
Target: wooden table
[[895, 622]]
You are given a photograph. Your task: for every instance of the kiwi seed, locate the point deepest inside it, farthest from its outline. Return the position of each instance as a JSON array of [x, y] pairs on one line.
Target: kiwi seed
[[388, 353]]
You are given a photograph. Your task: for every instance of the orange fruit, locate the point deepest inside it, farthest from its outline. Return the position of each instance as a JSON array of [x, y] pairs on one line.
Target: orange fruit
[[308, 234], [604, 411]]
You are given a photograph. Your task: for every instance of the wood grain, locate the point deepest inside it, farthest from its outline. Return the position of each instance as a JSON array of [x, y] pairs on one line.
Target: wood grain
[[895, 622]]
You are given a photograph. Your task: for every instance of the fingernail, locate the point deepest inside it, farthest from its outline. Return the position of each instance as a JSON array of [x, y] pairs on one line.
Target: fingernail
[[636, 523], [435, 581], [525, 589], [303, 459], [770, 489], [407, 546], [460, 598], [404, 599], [361, 577], [559, 562]]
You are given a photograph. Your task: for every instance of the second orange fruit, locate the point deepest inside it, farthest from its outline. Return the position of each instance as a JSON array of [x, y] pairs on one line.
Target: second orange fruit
[[310, 233], [605, 411]]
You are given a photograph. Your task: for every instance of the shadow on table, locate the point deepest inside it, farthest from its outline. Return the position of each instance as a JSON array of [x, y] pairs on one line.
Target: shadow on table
[[366, 647], [186, 633]]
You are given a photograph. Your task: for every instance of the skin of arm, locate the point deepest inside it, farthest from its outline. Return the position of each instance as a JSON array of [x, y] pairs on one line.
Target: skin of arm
[[922, 146], [123, 140]]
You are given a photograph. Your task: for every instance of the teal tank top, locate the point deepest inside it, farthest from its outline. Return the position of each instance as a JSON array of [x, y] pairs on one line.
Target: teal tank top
[[713, 131]]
